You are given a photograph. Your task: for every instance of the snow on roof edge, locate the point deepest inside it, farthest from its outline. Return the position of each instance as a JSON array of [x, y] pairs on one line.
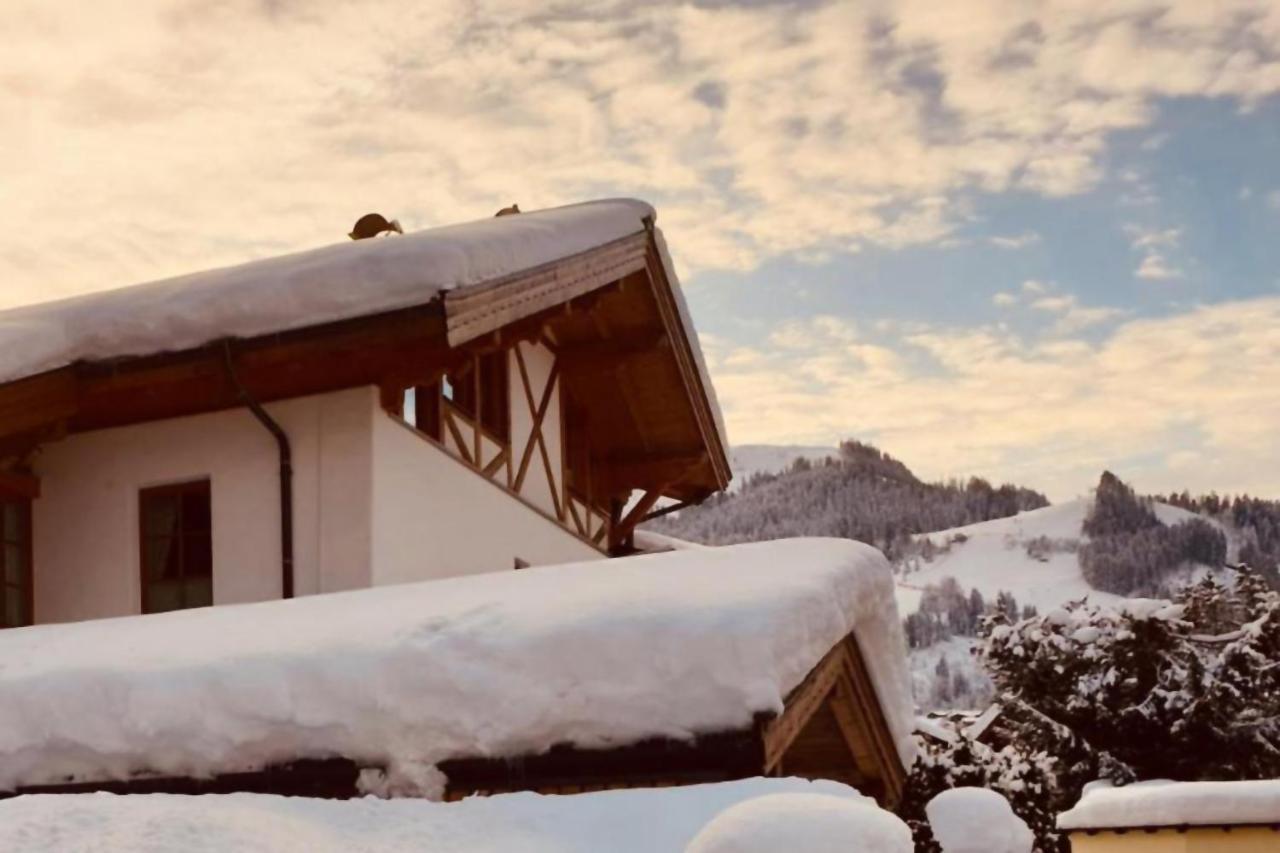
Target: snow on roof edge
[[411, 675], [700, 361], [327, 284], [1165, 803]]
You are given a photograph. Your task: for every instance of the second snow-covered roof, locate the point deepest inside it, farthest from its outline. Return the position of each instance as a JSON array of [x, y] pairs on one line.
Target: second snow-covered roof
[[592, 654], [338, 282], [1164, 803]]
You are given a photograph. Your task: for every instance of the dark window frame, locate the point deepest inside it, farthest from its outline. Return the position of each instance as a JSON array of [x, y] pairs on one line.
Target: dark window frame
[[26, 585], [180, 535], [479, 389]]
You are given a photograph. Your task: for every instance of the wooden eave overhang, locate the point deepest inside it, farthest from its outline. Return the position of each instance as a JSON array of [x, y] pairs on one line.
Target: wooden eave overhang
[[608, 313]]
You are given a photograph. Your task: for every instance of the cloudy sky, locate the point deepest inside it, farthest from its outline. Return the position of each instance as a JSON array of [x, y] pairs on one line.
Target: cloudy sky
[[1021, 239]]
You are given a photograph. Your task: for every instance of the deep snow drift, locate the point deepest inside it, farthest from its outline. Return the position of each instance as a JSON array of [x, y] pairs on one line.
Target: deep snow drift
[[595, 654], [1162, 803], [631, 821]]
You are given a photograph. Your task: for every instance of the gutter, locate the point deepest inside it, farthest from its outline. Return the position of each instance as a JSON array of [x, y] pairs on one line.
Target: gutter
[[286, 471]]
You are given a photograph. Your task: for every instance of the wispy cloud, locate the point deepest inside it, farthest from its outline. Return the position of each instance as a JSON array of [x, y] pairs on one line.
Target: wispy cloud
[[170, 135], [1069, 316], [1155, 267], [1155, 244], [1149, 239], [1052, 413], [1073, 317], [1015, 241]]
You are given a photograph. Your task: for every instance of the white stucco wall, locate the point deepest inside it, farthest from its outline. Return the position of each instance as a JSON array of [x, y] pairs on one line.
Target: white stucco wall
[[85, 524], [435, 517], [374, 502]]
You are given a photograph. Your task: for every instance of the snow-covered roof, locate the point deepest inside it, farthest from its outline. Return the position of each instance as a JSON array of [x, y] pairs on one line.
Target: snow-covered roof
[[1163, 803], [591, 654], [641, 820], [337, 282]]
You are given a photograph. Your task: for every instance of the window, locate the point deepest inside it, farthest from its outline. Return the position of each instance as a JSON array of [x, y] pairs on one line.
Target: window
[[177, 547], [478, 390], [495, 411], [15, 564], [577, 446]]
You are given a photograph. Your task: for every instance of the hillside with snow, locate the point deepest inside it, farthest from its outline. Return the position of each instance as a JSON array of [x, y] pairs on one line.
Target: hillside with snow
[[1031, 555]]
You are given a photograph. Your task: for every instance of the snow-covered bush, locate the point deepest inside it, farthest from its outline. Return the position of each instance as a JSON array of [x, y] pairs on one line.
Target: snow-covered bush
[[976, 820], [1154, 689], [814, 823], [1022, 778], [1187, 689]]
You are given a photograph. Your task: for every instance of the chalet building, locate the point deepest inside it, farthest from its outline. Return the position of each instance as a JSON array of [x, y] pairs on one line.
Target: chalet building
[[512, 392]]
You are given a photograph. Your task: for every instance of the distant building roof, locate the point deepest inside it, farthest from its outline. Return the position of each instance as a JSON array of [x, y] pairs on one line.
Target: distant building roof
[[1163, 803]]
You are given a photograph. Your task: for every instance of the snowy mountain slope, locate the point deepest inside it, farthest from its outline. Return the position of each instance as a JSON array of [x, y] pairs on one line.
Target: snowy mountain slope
[[749, 459], [992, 556]]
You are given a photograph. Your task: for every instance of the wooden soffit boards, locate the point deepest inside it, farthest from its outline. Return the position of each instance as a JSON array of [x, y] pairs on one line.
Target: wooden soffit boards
[[479, 309]]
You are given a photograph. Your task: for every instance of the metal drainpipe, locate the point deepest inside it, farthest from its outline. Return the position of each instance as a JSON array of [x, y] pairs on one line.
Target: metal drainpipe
[[286, 473]]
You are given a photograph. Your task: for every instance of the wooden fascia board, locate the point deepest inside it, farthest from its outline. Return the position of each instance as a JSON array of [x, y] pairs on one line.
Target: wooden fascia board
[[396, 348], [37, 403], [894, 774], [800, 707], [698, 395], [476, 310]]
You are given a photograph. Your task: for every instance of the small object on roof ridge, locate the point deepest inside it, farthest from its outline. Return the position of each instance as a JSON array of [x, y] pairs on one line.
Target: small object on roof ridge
[[373, 224], [507, 211]]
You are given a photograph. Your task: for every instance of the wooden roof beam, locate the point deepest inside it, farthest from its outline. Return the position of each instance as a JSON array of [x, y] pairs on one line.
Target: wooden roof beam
[[620, 533], [38, 403]]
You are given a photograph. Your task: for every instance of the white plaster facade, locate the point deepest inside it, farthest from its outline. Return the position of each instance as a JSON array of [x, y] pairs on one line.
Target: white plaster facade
[[375, 502]]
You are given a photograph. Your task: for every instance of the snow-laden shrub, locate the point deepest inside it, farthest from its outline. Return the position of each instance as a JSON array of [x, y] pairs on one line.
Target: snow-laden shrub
[[1184, 689], [1024, 779], [975, 820], [1187, 689], [814, 823]]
